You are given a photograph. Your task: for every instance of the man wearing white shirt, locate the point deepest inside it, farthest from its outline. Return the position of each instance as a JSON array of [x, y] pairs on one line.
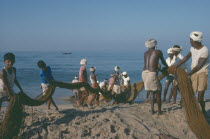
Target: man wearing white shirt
[[126, 78], [170, 77], [199, 66], [176, 49]]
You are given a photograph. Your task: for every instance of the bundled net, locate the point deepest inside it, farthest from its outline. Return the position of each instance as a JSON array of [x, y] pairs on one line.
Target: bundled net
[[14, 116], [13, 119], [194, 116]]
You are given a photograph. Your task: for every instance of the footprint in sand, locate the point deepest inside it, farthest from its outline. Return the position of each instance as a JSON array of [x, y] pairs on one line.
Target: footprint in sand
[[112, 129]]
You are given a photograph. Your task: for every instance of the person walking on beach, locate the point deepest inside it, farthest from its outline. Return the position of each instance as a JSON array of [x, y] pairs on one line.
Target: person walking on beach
[[149, 74], [199, 66], [46, 80], [126, 78], [177, 57], [76, 91], [94, 85], [170, 77], [8, 78], [83, 78]]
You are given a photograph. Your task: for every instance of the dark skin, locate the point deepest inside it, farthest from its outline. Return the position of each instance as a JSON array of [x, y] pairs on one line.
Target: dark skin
[[3, 75], [167, 83], [50, 101], [151, 60], [201, 61], [173, 93]]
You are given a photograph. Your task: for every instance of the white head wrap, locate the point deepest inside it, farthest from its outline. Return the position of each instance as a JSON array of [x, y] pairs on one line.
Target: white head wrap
[[177, 49], [124, 73], [83, 62], [97, 81], [151, 43], [116, 68], [170, 51], [76, 77], [92, 68], [196, 36]]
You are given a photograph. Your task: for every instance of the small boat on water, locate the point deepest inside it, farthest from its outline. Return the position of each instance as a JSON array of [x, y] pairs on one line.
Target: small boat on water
[[67, 53]]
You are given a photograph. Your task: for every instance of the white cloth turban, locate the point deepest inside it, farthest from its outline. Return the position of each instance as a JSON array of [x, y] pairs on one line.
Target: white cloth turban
[[177, 49], [83, 62], [169, 51], [116, 68], [92, 68], [124, 73], [196, 36], [151, 43]]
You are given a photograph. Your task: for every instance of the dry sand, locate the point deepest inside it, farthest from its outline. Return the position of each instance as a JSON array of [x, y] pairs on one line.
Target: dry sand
[[120, 121]]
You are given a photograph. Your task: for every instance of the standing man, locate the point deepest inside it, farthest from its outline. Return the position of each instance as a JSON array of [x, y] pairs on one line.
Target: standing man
[[126, 78], [149, 75], [176, 49], [170, 77], [83, 78], [199, 66]]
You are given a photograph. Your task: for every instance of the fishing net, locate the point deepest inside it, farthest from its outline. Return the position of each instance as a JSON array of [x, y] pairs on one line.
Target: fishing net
[[12, 121], [194, 116]]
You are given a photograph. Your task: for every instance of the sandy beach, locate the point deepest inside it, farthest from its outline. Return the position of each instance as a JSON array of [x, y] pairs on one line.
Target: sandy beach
[[118, 121]]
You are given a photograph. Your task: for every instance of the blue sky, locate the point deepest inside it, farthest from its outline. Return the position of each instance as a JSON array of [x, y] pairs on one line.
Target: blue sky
[[100, 25]]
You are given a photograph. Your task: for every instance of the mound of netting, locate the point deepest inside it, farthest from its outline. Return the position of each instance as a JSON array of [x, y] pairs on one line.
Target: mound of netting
[[12, 121], [14, 116], [194, 116]]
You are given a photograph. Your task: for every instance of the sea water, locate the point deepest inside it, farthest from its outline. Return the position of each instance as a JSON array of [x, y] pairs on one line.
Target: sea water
[[66, 66]]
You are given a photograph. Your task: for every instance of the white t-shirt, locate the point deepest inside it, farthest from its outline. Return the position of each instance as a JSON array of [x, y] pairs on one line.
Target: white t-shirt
[[126, 80], [177, 59], [196, 55], [169, 61], [101, 84]]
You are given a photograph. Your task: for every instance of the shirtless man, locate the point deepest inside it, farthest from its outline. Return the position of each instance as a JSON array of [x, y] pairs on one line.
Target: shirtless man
[[83, 78], [199, 66], [149, 75], [94, 84]]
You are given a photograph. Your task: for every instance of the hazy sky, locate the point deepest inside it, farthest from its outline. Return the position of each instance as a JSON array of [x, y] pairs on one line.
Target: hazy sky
[[100, 25]]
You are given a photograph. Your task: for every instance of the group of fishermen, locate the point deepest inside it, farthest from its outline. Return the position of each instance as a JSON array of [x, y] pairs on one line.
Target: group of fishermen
[[113, 85], [198, 74]]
